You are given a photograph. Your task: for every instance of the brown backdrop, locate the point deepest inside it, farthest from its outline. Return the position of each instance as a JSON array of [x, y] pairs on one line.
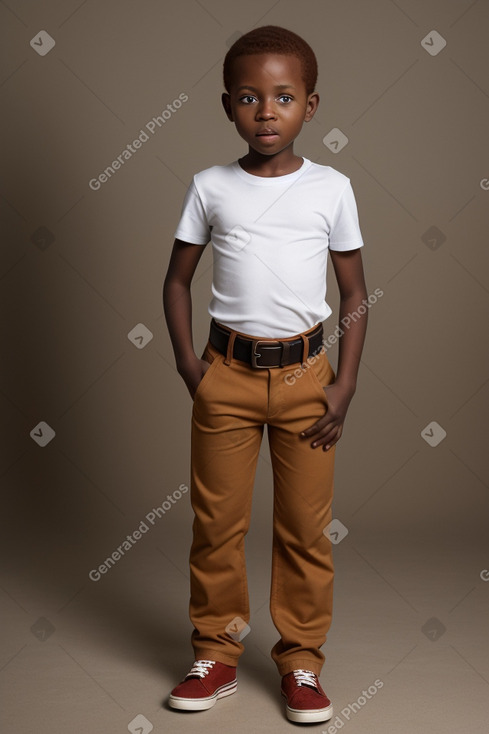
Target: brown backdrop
[[85, 347]]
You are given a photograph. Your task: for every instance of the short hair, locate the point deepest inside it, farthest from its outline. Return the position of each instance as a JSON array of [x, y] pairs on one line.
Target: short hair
[[275, 40]]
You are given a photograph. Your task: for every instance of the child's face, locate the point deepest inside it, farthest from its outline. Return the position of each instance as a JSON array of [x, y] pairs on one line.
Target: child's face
[[268, 101]]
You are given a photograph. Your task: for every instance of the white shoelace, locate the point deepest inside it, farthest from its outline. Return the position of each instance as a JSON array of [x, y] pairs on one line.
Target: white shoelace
[[200, 668], [305, 678]]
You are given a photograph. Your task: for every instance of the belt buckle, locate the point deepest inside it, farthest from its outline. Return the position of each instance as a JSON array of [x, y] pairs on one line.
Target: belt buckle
[[255, 354]]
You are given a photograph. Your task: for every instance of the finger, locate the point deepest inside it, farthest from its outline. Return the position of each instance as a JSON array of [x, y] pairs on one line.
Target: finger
[[325, 437], [316, 427], [320, 429], [334, 441]]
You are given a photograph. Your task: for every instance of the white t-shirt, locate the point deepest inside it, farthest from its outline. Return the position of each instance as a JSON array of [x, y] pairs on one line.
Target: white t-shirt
[[270, 239]]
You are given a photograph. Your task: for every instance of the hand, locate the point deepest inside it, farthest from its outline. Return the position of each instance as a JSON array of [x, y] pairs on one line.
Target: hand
[[193, 373], [326, 432]]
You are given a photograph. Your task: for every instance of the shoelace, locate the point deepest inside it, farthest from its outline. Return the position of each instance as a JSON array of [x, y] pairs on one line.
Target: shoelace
[[200, 668], [305, 678]]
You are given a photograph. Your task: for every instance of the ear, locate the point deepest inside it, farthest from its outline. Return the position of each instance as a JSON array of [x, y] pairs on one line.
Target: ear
[[311, 106], [226, 103]]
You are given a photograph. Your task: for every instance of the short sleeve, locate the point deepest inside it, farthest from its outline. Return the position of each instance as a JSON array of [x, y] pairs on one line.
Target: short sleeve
[[193, 226], [345, 232]]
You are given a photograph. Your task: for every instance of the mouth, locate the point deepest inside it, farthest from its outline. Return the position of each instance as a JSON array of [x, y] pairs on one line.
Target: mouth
[[267, 133]]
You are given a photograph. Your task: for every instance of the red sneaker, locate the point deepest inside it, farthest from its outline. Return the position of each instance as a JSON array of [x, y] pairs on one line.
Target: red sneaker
[[306, 700], [206, 682]]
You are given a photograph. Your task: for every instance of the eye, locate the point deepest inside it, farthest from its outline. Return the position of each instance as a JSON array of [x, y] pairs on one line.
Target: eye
[[247, 99], [287, 97]]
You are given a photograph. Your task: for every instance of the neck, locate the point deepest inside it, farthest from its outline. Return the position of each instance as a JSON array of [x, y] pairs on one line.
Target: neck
[[279, 164]]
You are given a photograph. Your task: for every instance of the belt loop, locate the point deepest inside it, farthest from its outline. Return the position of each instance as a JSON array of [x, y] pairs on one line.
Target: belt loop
[[230, 348], [305, 348], [284, 359]]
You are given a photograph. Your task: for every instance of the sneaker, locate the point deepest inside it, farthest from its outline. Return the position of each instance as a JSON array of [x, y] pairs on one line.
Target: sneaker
[[306, 700], [206, 682]]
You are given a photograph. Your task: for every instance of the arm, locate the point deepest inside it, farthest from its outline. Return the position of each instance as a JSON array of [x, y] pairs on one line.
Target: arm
[[177, 304], [351, 283]]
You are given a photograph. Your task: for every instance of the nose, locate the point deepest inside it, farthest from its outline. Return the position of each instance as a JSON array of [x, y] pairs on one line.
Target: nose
[[266, 110]]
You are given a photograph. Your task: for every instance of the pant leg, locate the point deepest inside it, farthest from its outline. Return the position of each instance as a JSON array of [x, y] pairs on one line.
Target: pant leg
[[225, 441], [302, 565]]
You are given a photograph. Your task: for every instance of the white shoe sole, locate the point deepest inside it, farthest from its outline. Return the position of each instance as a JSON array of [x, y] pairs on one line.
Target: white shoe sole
[[309, 716], [202, 704]]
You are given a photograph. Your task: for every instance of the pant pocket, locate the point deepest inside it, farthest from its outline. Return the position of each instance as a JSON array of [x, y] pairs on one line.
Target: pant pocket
[[211, 355], [321, 373]]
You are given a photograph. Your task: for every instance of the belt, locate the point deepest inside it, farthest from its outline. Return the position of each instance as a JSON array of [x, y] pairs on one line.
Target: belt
[[265, 353]]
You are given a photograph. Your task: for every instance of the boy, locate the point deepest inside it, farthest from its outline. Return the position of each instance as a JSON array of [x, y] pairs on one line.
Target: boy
[[271, 216]]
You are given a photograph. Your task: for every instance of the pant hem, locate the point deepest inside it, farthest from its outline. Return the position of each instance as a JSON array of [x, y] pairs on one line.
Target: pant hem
[[217, 655]]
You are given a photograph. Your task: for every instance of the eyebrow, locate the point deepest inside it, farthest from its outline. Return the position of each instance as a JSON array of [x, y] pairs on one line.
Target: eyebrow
[[277, 86]]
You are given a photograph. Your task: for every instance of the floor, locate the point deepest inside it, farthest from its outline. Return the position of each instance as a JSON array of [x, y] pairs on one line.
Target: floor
[[410, 629]]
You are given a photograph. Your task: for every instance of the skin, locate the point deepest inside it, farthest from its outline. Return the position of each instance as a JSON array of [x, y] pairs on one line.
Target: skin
[[268, 92]]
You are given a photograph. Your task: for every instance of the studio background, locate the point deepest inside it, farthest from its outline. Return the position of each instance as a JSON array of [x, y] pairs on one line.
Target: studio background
[[86, 355]]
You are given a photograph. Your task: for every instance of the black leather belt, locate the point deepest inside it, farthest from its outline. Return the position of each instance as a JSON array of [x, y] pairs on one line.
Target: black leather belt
[[265, 353]]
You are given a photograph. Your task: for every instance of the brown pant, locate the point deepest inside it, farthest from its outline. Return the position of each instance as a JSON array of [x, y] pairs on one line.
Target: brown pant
[[232, 404]]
